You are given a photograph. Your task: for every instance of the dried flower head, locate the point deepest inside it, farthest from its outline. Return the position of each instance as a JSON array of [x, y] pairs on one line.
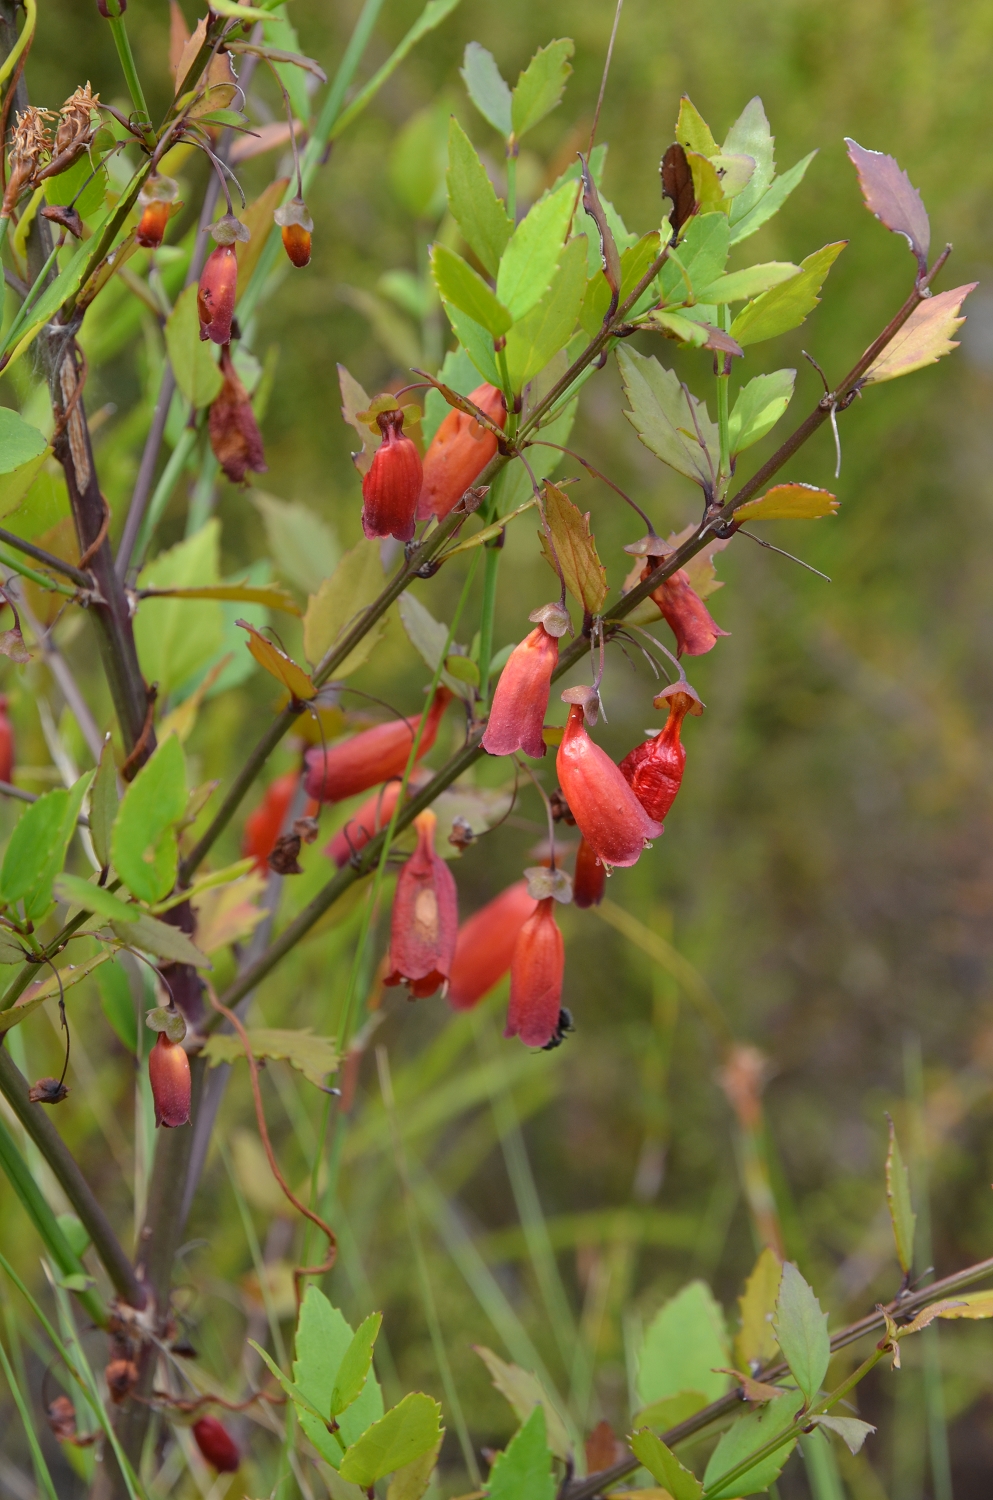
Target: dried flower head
[[75, 129], [234, 432], [30, 148]]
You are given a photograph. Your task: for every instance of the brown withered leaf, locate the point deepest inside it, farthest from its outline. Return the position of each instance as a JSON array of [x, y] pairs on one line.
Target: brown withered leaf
[[924, 338], [279, 665], [892, 197], [283, 858], [677, 186], [69, 218], [603, 1448], [12, 645], [756, 1391], [47, 1091], [608, 247], [575, 547]]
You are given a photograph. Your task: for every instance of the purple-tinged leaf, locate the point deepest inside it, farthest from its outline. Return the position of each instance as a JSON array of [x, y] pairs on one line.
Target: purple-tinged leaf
[[892, 197], [924, 338], [608, 246], [677, 186]]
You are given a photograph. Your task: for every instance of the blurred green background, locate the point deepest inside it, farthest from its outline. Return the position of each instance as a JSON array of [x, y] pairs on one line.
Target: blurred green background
[[826, 869]]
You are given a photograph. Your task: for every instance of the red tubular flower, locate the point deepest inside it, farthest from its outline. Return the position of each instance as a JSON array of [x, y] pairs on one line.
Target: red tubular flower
[[363, 825], [589, 877], [485, 945], [521, 698], [297, 227], [536, 971], [169, 1074], [6, 741], [393, 483], [654, 770], [684, 612], [156, 201], [216, 294], [217, 1445], [375, 755], [234, 432], [609, 815], [425, 918], [458, 453], [264, 825]]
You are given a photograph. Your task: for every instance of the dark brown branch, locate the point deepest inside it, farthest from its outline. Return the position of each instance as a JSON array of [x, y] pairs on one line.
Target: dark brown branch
[[47, 559]]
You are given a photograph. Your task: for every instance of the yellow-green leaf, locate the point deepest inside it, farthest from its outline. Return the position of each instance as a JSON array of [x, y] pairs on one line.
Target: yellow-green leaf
[[924, 338], [46, 989], [270, 596], [143, 840], [786, 306], [474, 204], [692, 131], [524, 1391], [789, 502], [338, 603], [549, 326], [902, 1215], [403, 1434], [193, 363], [313, 1056], [575, 548], [465, 289], [279, 665], [540, 87], [664, 1466], [756, 1340], [23, 450]]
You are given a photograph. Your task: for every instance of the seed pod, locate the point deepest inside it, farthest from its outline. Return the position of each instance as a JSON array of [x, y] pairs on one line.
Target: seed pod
[[169, 1075], [425, 918], [216, 294], [393, 483], [521, 698], [609, 815], [536, 972], [156, 202], [6, 741], [485, 945], [217, 1445], [297, 226], [458, 453], [589, 878], [374, 756], [234, 432], [654, 769]]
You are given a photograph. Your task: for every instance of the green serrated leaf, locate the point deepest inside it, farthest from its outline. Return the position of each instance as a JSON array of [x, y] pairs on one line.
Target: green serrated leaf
[[355, 1365], [801, 1329], [738, 286], [176, 637], [165, 941], [750, 135], [745, 1437], [23, 450], [692, 131], [322, 1337], [533, 253], [898, 1201], [462, 287], [487, 88], [475, 206], [76, 891], [524, 1391], [334, 609], [411, 1481], [661, 415], [759, 406], [302, 545], [103, 803], [37, 848], [524, 1470], [786, 306], [756, 1339], [664, 1466], [540, 87], [683, 1348], [476, 342], [429, 637], [769, 203], [313, 1056], [702, 255], [143, 841], [193, 361], [852, 1432], [547, 328], [406, 1431]]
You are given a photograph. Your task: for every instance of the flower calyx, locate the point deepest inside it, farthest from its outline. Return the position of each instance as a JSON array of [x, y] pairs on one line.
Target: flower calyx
[[587, 698], [554, 617], [297, 227], [168, 1020], [227, 229], [544, 882]]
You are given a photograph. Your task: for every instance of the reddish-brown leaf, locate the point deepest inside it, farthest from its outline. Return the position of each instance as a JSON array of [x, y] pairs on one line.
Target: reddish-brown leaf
[[892, 197], [677, 186]]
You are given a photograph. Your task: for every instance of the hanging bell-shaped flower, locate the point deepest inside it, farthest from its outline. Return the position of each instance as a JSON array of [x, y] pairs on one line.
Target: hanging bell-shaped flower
[[169, 1075], [459, 452], [654, 769], [217, 1445], [219, 281], [392, 485], [689, 619], [234, 432], [156, 203], [425, 918], [486, 943], [608, 814], [373, 756], [297, 226], [589, 877], [536, 972], [517, 716]]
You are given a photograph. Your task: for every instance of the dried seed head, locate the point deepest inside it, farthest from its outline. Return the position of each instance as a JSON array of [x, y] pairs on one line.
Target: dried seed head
[[30, 148], [75, 129], [47, 1091], [297, 226], [61, 1416], [121, 1376], [283, 857]]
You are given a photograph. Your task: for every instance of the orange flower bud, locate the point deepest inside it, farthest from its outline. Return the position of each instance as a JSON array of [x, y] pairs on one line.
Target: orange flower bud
[[375, 755], [217, 1445], [216, 294], [6, 741], [589, 877], [391, 487], [425, 918], [363, 825], [485, 945], [458, 453], [156, 201], [521, 698], [536, 971], [169, 1074], [684, 612], [609, 815], [297, 226], [654, 770], [234, 432]]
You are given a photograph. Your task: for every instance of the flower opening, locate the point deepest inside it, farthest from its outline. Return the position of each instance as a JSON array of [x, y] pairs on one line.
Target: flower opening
[[393, 483], [425, 919], [458, 453], [517, 716], [607, 812], [485, 945], [536, 972], [689, 619]]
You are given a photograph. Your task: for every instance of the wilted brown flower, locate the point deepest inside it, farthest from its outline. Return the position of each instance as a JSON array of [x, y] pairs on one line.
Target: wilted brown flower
[[75, 130], [30, 148], [234, 432]]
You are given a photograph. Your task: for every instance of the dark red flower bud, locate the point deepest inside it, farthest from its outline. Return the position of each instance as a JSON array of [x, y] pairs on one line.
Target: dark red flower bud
[[6, 741], [458, 453], [536, 971], [374, 756], [262, 827], [608, 814], [120, 6], [156, 202], [297, 226], [217, 1445], [654, 769], [589, 877], [684, 612], [169, 1074], [485, 945], [234, 432], [216, 294], [393, 483], [364, 824], [425, 918], [521, 698]]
